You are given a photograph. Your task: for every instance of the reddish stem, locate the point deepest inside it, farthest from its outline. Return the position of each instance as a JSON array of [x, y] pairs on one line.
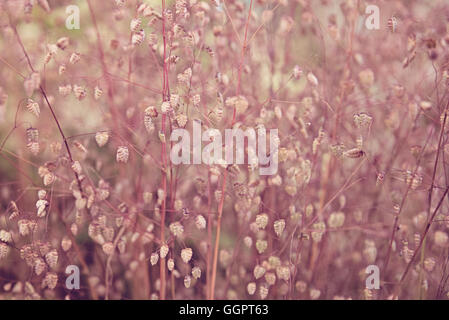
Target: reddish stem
[[164, 159], [223, 187]]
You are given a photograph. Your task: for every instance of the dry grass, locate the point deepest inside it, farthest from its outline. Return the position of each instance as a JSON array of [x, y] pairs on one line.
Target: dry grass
[[86, 178]]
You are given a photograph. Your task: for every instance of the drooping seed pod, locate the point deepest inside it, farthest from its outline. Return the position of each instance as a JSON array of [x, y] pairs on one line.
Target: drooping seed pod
[[121, 245], [148, 122], [184, 77], [301, 286], [189, 39], [24, 227], [4, 250], [413, 179], [41, 194], [275, 181], [80, 203], [262, 220], [263, 291], [186, 254], [297, 72], [79, 91], [187, 281], [48, 57], [28, 7], [336, 219], [135, 24], [166, 107], [52, 258], [380, 178], [62, 69], [5, 236], [283, 272], [225, 257], [312, 79], [151, 111], [145, 10], [122, 154], [108, 248], [408, 59], [440, 238], [444, 120], [80, 146], [314, 294], [14, 210], [366, 78], [162, 137], [319, 229], [63, 43], [429, 264], [417, 239], [261, 246], [74, 229], [178, 205], [39, 266], [33, 107], [219, 110], [259, 271], [163, 251], [425, 105], [152, 41], [359, 142], [161, 194], [170, 264], [75, 58], [138, 37], [66, 243], [35, 80], [210, 51], [28, 86], [50, 280], [33, 140], [196, 272], [241, 104], [41, 206], [181, 120], [65, 90], [49, 178], [279, 226], [154, 258], [248, 241], [200, 222], [251, 288], [196, 99], [102, 138], [76, 167], [176, 229], [52, 51], [98, 92], [108, 233], [370, 251], [354, 153], [270, 278], [274, 262]]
